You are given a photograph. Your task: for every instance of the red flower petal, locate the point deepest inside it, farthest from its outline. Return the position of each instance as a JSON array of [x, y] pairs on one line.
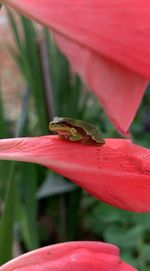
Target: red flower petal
[[107, 43], [71, 256], [117, 172]]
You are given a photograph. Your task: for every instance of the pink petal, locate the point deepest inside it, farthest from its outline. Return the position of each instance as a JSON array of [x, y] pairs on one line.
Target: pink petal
[[115, 86], [117, 172], [116, 29], [110, 47], [71, 256]]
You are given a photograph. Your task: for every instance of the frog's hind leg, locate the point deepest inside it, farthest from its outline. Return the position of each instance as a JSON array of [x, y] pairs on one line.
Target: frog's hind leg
[[98, 139]]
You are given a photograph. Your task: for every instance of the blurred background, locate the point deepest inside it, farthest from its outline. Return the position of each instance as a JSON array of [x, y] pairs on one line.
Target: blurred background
[[41, 207]]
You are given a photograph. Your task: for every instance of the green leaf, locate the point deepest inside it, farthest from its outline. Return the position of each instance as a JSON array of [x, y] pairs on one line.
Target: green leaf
[[7, 220], [27, 205], [8, 215]]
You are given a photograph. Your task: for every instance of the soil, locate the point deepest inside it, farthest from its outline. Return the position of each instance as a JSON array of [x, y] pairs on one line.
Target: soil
[[10, 78]]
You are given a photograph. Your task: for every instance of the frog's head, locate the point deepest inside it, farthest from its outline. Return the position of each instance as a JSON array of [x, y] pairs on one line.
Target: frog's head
[[55, 124], [60, 126]]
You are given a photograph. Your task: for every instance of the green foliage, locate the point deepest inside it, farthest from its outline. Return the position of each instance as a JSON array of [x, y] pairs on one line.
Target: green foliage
[[7, 220], [130, 231], [7, 194]]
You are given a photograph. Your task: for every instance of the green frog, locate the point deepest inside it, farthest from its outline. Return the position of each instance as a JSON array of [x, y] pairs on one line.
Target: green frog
[[76, 130]]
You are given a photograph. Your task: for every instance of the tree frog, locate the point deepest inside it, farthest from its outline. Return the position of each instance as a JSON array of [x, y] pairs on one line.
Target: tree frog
[[76, 130]]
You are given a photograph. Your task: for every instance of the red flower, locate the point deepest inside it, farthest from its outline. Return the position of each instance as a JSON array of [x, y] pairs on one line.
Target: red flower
[[72, 256], [117, 172], [107, 43]]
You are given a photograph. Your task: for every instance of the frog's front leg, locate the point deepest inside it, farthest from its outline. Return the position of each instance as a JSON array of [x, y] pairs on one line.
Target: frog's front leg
[[75, 136]]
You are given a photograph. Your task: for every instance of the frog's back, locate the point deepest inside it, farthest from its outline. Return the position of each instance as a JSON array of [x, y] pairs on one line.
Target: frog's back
[[87, 127]]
